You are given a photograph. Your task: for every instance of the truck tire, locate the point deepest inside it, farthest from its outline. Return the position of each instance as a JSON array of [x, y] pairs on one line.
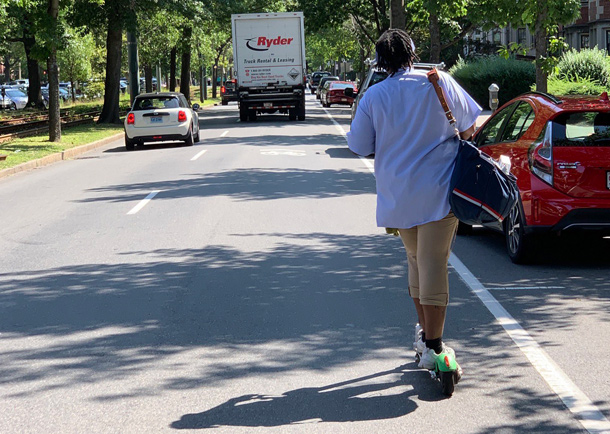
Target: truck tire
[[243, 114], [292, 114], [252, 115], [301, 112]]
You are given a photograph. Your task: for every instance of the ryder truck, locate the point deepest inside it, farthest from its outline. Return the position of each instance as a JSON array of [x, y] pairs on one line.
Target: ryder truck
[[269, 62]]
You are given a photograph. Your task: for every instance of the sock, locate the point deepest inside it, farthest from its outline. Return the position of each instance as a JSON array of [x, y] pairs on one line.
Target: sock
[[423, 336], [435, 344]]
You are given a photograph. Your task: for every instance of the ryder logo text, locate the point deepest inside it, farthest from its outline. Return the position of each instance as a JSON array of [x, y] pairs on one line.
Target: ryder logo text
[[262, 43]]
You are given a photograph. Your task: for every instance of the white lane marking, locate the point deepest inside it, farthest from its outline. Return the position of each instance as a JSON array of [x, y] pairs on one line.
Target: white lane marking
[[574, 399], [508, 288], [225, 133], [199, 155], [290, 152], [143, 202], [366, 161]]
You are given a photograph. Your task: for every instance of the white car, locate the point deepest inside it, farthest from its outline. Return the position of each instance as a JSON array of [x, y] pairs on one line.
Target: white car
[[160, 117]]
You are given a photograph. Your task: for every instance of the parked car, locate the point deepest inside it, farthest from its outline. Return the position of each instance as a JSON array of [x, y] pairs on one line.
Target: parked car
[[5, 102], [333, 92], [64, 95], [18, 99], [315, 80], [559, 149], [159, 117], [377, 75], [228, 92], [323, 81]]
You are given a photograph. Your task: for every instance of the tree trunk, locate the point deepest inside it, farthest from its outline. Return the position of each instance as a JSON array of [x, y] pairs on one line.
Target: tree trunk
[[185, 72], [34, 94], [114, 44], [214, 78], [172, 70], [435, 38], [53, 74], [541, 45], [397, 14], [148, 78], [7, 69]]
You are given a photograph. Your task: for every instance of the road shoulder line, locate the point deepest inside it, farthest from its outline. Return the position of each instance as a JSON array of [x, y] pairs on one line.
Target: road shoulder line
[[574, 399]]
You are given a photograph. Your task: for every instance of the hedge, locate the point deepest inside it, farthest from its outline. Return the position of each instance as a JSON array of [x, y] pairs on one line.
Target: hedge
[[588, 64], [514, 77], [582, 86]]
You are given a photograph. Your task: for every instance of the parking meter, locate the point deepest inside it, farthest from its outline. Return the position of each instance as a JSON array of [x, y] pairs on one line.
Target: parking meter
[[493, 96]]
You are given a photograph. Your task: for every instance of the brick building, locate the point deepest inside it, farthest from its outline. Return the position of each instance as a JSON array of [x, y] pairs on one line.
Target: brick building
[[592, 28]]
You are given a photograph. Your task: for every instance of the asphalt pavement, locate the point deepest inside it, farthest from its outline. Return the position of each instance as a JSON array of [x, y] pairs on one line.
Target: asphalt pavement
[[242, 285]]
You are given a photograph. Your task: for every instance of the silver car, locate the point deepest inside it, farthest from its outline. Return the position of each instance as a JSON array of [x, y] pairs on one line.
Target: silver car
[[18, 99]]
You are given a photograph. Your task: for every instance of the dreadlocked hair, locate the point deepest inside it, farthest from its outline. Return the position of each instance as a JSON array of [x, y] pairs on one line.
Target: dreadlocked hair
[[395, 50]]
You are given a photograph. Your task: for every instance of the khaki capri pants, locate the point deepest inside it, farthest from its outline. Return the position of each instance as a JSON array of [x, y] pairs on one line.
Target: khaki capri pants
[[428, 247]]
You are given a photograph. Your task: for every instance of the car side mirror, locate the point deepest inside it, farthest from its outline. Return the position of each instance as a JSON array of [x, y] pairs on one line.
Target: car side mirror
[[348, 91], [196, 107]]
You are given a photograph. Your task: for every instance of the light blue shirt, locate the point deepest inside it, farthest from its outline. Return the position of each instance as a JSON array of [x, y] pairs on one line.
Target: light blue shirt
[[402, 122]]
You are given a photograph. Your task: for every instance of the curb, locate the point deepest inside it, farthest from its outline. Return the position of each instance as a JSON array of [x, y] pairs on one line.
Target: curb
[[59, 156]]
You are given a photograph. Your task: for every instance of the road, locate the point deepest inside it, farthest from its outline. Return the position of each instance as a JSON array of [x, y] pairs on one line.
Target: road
[[242, 284]]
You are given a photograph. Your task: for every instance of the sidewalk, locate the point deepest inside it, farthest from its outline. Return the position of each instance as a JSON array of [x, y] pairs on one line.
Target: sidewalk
[[485, 114]]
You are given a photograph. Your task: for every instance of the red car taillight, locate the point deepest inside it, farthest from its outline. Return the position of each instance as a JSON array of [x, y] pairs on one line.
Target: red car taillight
[[541, 157], [131, 119], [181, 116], [223, 89]]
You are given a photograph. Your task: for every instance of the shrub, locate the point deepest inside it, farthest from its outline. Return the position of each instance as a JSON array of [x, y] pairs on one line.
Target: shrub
[[590, 64], [514, 77], [579, 86]]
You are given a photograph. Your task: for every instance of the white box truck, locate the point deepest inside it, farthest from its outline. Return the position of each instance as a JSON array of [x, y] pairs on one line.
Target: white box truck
[[269, 63]]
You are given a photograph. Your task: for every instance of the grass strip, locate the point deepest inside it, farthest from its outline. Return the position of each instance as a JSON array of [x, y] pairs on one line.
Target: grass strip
[[31, 148]]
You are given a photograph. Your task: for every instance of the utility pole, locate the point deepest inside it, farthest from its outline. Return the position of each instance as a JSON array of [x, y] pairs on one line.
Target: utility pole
[[134, 67]]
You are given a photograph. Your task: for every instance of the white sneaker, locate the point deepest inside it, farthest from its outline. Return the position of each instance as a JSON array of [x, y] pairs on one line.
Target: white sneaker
[[418, 343], [428, 357]]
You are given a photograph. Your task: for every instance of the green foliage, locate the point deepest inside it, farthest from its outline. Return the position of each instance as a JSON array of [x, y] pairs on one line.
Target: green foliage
[[93, 89], [575, 86], [589, 64], [75, 59], [514, 77], [511, 50]]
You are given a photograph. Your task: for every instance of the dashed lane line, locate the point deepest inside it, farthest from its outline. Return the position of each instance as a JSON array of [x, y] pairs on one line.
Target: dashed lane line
[[199, 155], [590, 417], [225, 133], [143, 202]]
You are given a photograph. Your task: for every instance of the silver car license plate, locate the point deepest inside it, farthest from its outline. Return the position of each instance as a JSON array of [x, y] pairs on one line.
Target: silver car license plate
[[156, 120], [608, 180]]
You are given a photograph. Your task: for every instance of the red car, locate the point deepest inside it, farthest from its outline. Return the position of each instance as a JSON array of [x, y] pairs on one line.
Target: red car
[[333, 92], [559, 148]]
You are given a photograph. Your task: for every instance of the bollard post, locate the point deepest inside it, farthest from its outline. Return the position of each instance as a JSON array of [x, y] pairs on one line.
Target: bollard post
[[493, 96]]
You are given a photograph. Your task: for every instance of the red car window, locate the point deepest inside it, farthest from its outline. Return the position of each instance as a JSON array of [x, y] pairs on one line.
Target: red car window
[[491, 131], [518, 123]]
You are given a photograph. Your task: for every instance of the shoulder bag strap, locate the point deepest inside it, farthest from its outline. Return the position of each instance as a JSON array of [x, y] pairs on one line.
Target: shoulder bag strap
[[433, 78]]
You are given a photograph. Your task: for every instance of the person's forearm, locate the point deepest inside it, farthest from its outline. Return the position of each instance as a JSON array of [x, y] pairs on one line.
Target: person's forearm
[[465, 135]]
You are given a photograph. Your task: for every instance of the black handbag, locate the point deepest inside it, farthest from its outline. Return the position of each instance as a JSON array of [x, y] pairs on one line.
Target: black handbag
[[480, 191]]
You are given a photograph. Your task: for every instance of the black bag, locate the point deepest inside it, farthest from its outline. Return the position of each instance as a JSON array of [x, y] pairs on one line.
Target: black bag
[[480, 191]]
